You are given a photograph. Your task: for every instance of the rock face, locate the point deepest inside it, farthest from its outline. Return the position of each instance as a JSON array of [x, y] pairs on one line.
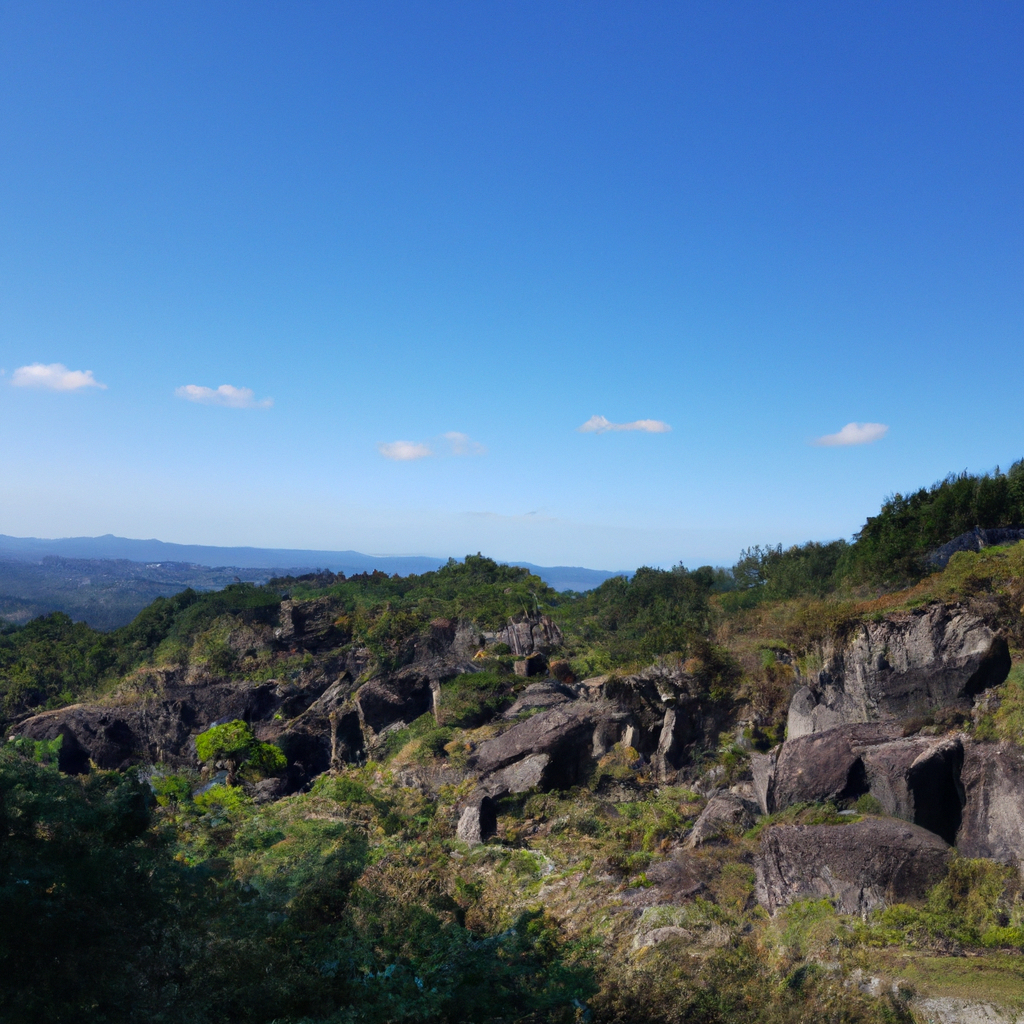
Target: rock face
[[975, 540], [993, 820], [861, 866], [540, 695], [905, 666], [527, 634], [159, 729], [914, 778]]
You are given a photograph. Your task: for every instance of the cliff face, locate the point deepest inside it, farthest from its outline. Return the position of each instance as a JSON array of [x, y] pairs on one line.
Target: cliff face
[[902, 667]]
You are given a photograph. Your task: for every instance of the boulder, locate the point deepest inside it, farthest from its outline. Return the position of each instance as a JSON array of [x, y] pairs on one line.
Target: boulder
[[993, 815], [918, 779], [563, 733], [478, 820], [724, 812], [905, 666], [520, 776], [914, 778], [860, 866], [823, 766]]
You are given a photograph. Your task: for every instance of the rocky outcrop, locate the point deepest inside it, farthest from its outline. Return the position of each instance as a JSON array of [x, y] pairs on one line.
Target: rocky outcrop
[[563, 734], [860, 866], [724, 812], [307, 624], [824, 766], [975, 540], [993, 816], [914, 778], [526, 634], [918, 779], [155, 727], [540, 695], [905, 666]]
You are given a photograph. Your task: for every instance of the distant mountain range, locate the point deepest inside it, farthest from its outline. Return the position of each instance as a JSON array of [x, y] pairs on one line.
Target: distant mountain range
[[107, 580]]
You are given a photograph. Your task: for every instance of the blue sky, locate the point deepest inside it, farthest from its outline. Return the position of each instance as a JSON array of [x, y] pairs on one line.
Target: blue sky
[[472, 228]]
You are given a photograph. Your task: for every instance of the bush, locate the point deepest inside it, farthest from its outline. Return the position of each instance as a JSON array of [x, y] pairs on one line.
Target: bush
[[235, 741], [473, 697]]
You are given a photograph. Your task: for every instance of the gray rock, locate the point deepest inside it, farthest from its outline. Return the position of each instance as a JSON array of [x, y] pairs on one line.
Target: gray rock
[[521, 776], [993, 815], [918, 779], [723, 812], [861, 866], [478, 820], [949, 1010], [907, 665], [564, 733], [526, 634], [913, 778], [975, 540], [762, 770], [540, 695], [823, 766]]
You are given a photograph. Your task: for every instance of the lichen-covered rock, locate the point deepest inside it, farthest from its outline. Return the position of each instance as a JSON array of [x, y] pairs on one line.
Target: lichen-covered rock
[[993, 815], [861, 866], [906, 665]]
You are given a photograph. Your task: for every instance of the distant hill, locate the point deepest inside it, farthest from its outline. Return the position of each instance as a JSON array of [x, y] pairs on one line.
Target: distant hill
[[106, 581]]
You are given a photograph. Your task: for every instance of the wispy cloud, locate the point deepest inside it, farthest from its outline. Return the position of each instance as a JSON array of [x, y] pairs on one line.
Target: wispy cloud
[[601, 425], [408, 451], [53, 377], [404, 451], [462, 444], [227, 395], [854, 433]]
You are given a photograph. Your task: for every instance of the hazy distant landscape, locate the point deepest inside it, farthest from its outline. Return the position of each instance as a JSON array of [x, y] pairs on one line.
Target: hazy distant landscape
[[107, 581]]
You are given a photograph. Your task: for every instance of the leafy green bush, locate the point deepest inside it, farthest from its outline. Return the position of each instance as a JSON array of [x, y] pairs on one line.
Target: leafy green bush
[[235, 741]]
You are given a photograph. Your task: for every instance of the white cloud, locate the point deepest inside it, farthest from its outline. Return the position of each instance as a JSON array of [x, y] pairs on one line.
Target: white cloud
[[854, 433], [407, 451], [226, 395], [461, 444], [54, 377], [600, 425], [404, 451]]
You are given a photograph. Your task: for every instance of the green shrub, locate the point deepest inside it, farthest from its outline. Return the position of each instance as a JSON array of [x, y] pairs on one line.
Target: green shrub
[[235, 741], [472, 698]]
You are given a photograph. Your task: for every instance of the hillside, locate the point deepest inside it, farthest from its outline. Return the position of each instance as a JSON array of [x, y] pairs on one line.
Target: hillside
[[107, 581], [790, 790]]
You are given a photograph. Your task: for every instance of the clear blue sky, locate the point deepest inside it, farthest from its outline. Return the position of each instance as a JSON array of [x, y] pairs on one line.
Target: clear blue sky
[[392, 222]]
